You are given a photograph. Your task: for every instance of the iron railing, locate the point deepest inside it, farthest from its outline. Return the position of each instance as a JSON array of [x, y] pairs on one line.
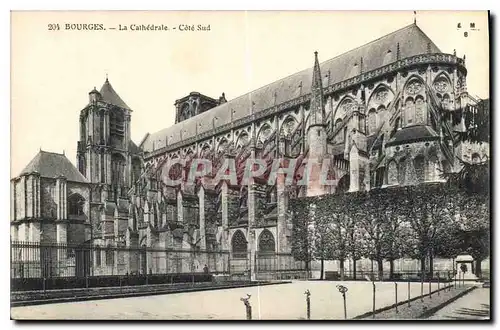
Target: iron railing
[[43, 260]]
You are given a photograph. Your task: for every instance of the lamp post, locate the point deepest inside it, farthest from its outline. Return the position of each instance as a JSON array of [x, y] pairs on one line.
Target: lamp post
[[396, 296], [373, 304], [408, 291], [248, 307], [342, 289], [437, 275], [308, 304]]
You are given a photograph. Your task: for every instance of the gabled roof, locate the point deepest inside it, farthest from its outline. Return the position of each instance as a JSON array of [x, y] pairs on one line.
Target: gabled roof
[[133, 148], [412, 134], [109, 95], [53, 165], [412, 41]]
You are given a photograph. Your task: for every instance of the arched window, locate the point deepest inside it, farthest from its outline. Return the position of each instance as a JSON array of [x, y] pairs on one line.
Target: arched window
[[379, 177], [288, 126], [110, 256], [117, 124], [101, 127], [419, 163], [103, 168], [239, 245], [410, 111], [264, 133], [136, 169], [242, 139], [266, 242], [419, 110], [98, 256], [184, 112], [75, 204], [392, 176], [83, 134], [343, 185], [445, 102], [117, 169], [153, 182], [372, 121], [81, 165]]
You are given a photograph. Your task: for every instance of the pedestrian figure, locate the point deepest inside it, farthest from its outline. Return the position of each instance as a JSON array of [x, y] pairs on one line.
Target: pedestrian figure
[[205, 269]]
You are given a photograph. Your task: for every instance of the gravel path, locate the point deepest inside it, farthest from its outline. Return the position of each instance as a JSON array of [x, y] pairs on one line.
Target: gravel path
[[473, 306], [283, 302]]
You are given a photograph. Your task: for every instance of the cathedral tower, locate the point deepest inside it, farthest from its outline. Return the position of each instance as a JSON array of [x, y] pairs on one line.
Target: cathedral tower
[[104, 153]]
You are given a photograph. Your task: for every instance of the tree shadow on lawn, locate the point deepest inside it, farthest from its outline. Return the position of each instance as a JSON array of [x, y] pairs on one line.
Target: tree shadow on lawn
[[471, 313]]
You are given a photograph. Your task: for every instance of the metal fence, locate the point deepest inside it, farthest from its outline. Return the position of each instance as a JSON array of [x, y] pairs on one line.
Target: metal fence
[[435, 276], [268, 266], [40, 260], [278, 266]]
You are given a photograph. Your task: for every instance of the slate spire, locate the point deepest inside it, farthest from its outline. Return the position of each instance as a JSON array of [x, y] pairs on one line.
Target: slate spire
[[317, 107], [109, 95]]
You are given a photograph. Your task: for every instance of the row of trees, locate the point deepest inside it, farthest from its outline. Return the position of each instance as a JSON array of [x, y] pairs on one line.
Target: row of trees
[[420, 222]]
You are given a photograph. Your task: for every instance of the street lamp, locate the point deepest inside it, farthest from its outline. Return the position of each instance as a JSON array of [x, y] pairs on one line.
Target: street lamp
[[343, 289]]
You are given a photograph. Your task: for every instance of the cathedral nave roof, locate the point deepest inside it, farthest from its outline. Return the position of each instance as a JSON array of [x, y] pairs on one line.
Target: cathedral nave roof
[[411, 39]]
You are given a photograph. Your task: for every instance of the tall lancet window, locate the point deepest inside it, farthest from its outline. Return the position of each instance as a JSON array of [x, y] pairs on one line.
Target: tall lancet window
[[136, 170], [445, 102], [118, 169], [372, 121], [410, 111], [101, 128], [420, 110], [103, 168], [76, 204]]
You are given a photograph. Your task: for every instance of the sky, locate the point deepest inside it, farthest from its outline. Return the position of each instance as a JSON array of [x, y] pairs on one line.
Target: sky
[[52, 72]]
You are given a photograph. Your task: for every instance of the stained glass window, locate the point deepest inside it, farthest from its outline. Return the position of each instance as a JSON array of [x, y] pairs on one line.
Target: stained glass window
[[266, 242], [239, 245]]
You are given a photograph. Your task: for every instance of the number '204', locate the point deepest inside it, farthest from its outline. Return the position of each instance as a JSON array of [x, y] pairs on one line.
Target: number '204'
[[53, 27]]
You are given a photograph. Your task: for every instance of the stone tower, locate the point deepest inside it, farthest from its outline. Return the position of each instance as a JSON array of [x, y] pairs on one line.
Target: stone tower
[[105, 149]]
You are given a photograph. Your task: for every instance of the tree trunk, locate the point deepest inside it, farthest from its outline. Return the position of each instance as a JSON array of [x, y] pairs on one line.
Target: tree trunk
[[322, 268], [391, 269], [342, 269], [380, 264], [422, 266], [478, 268], [307, 269], [354, 269], [431, 265]]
